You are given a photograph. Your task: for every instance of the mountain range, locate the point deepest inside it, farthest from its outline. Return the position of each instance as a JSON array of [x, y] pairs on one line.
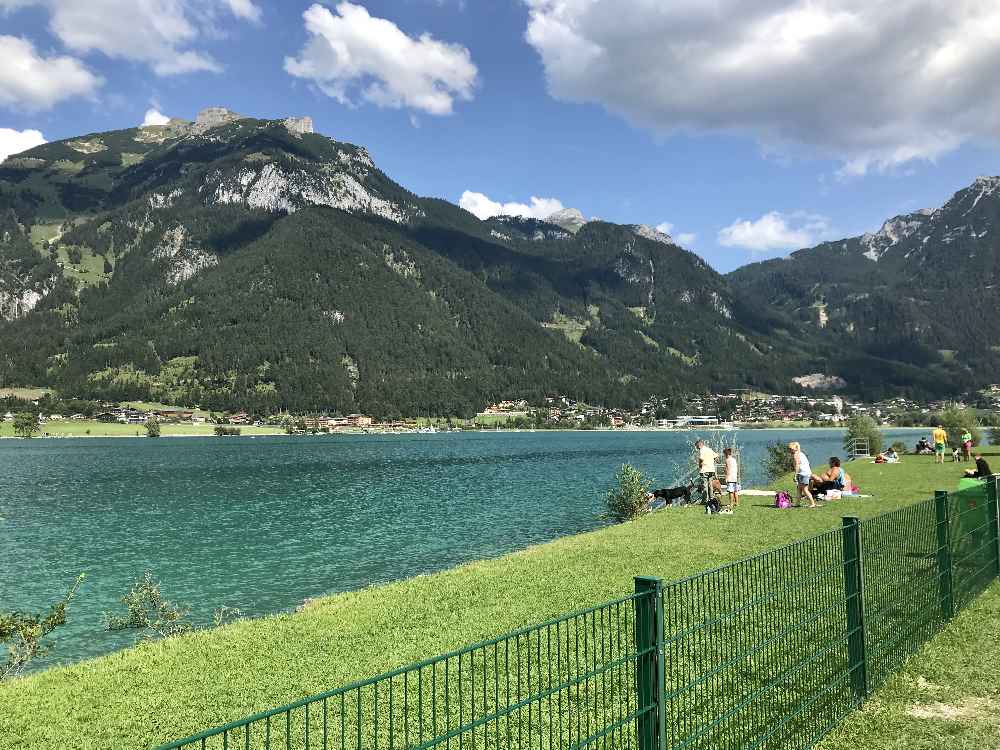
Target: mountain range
[[233, 262]]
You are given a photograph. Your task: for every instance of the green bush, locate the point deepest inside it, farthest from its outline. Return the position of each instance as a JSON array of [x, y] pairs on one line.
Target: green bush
[[863, 427], [778, 460], [995, 436], [223, 431], [152, 427], [149, 612], [627, 500], [956, 421], [21, 634], [899, 446]]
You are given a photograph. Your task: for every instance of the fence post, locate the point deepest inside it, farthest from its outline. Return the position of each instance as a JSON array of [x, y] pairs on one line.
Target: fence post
[[854, 592], [944, 553], [993, 509], [649, 668]]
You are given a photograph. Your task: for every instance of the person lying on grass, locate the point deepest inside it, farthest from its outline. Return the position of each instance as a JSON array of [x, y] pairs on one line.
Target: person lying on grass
[[834, 478], [982, 469]]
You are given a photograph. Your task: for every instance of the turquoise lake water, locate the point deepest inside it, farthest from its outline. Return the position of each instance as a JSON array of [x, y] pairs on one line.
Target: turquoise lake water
[[262, 523]]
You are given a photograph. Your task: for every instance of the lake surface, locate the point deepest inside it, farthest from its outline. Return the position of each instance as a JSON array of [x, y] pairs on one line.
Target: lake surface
[[262, 523]]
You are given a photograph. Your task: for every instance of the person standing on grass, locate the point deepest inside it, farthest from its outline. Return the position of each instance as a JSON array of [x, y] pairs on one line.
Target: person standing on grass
[[967, 445], [940, 441], [803, 473], [706, 467], [732, 478]]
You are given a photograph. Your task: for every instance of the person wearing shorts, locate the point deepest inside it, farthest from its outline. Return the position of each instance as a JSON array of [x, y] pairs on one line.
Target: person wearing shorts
[[706, 467], [732, 478], [940, 443], [803, 474]]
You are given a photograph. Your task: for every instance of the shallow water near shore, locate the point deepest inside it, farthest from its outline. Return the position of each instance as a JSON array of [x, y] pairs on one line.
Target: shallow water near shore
[[262, 523]]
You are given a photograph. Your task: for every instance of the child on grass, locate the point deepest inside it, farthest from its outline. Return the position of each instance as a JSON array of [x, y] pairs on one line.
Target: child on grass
[[732, 478]]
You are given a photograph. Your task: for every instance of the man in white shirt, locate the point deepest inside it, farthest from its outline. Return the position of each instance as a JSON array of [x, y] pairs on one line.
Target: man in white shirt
[[706, 466]]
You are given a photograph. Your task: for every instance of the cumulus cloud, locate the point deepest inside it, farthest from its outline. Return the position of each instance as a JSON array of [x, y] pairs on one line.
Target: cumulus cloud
[[775, 231], [159, 33], [31, 81], [16, 141], [483, 207], [687, 239], [154, 117], [874, 84], [666, 227], [351, 53]]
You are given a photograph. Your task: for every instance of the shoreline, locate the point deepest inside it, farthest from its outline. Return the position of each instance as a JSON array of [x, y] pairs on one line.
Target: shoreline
[[264, 432]]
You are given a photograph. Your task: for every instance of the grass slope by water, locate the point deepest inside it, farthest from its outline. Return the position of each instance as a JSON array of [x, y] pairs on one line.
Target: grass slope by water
[[91, 428], [163, 690]]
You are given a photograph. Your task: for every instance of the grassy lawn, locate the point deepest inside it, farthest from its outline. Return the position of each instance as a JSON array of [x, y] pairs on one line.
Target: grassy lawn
[[26, 394], [947, 696], [160, 691]]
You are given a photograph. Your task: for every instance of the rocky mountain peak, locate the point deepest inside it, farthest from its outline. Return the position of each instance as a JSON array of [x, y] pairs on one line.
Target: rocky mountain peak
[[651, 233], [213, 117], [570, 219]]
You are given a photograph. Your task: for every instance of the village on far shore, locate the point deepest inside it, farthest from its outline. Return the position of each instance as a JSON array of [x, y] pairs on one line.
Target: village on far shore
[[730, 410]]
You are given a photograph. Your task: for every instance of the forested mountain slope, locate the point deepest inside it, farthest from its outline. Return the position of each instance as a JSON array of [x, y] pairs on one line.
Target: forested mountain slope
[[921, 295], [243, 263]]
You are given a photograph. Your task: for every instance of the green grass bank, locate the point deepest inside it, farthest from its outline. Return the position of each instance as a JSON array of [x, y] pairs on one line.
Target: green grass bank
[[159, 691]]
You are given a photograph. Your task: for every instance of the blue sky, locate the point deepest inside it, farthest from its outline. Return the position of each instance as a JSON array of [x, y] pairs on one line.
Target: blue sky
[[750, 128]]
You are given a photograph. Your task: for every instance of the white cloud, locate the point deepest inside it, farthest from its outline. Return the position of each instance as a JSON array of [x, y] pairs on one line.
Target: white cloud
[[154, 117], [666, 227], [30, 81], [16, 141], [245, 9], [159, 33], [687, 239], [483, 207], [775, 231], [874, 84], [354, 50]]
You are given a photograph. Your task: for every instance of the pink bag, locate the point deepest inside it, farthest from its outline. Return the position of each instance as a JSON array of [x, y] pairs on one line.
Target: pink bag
[[782, 500]]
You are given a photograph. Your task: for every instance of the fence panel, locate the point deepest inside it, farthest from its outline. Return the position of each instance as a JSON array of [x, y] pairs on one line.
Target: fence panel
[[757, 651], [568, 683], [973, 552], [899, 552]]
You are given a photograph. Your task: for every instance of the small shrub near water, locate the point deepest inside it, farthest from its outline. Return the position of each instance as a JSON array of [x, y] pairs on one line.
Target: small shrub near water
[[152, 427], [223, 431], [149, 612], [778, 460], [22, 634], [995, 436], [627, 500]]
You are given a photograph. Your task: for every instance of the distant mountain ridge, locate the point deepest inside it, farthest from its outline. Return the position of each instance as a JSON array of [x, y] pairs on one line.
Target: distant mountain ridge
[[234, 262]]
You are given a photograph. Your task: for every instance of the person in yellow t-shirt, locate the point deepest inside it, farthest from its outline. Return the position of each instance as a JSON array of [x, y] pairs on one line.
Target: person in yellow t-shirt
[[940, 442]]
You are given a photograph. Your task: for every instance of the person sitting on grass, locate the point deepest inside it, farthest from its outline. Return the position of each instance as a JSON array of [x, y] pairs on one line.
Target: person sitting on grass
[[891, 457], [803, 474], [834, 478], [982, 470]]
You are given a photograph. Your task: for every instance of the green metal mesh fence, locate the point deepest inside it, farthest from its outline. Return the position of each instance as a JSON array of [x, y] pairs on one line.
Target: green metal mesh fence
[[767, 652], [567, 683]]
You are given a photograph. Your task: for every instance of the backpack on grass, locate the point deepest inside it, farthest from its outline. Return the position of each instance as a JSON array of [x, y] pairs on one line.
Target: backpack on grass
[[782, 500]]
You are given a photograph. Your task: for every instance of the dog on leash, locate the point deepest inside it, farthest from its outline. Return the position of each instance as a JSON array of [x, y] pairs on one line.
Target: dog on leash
[[673, 495]]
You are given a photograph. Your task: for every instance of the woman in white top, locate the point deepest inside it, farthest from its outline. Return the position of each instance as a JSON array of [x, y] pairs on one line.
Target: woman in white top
[[803, 473]]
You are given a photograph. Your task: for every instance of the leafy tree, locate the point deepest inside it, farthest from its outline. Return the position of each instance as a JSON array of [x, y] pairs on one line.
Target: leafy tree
[[149, 612], [863, 427], [22, 634], [995, 436], [627, 499], [956, 421], [778, 460], [26, 424], [152, 427]]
